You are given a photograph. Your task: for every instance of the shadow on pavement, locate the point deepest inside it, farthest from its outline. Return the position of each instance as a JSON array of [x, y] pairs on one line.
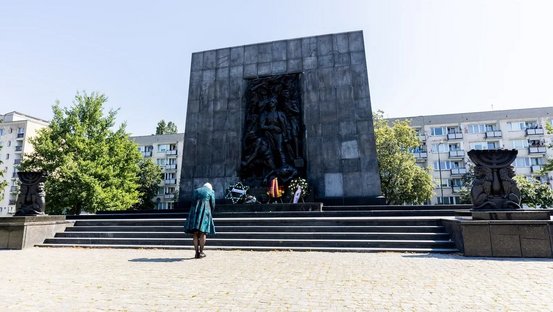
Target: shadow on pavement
[[458, 256], [160, 259]]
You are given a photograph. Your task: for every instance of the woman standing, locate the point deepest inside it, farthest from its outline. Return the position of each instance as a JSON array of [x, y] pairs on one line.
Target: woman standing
[[200, 220]]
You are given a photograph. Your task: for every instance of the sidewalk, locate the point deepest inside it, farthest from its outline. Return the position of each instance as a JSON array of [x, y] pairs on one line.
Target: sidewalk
[[74, 279]]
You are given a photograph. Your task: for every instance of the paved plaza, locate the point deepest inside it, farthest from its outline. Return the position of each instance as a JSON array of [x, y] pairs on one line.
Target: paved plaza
[[77, 279]]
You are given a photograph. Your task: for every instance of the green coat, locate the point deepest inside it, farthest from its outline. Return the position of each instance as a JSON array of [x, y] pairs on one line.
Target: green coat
[[199, 217]]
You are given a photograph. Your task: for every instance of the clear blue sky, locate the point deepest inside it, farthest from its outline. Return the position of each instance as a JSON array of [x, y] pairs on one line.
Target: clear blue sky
[[423, 57]]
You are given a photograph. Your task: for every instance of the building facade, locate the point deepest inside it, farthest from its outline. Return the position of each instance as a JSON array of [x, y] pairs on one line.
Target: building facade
[[166, 151], [15, 131], [446, 139]]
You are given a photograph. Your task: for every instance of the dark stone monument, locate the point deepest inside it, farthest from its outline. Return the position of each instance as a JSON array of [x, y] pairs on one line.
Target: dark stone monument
[[290, 108], [499, 227], [493, 186], [31, 198]]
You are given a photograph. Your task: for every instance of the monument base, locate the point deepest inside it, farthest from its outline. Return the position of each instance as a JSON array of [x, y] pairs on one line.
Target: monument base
[[498, 234], [24, 232], [520, 214]]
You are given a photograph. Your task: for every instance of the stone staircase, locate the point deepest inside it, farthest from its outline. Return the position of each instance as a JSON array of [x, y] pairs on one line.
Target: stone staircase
[[272, 227]]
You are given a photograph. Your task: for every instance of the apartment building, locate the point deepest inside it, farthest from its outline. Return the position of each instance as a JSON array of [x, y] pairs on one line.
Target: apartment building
[[446, 139], [166, 151], [15, 131]]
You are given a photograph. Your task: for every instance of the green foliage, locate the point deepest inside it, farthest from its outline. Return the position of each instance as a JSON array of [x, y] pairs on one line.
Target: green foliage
[[166, 128], [148, 180], [533, 193], [90, 166], [401, 179]]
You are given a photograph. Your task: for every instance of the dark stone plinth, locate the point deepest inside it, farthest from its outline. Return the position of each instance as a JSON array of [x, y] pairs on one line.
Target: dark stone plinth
[[269, 207], [27, 231], [512, 215], [502, 238]]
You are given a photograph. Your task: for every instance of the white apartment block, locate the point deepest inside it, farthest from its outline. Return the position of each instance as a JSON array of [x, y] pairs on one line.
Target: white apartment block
[[166, 151], [446, 139], [15, 131]]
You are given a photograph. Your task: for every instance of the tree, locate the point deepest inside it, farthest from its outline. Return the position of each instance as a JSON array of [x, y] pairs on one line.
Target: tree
[[149, 179], [166, 128], [90, 167], [401, 179], [533, 193]]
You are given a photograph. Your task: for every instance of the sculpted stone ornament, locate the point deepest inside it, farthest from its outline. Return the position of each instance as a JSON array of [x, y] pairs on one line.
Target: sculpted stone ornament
[[272, 146], [493, 187], [31, 200]]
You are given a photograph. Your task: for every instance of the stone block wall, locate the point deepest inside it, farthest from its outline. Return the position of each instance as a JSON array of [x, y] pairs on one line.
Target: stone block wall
[[340, 148]]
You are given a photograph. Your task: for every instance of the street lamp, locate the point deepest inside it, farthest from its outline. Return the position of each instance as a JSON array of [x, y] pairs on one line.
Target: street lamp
[[440, 172]]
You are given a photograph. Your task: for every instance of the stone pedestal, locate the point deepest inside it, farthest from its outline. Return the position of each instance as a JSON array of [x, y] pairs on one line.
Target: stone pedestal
[[521, 214], [24, 232], [520, 233]]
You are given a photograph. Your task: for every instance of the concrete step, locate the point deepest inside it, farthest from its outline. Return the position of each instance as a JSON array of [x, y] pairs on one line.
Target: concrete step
[[259, 248], [264, 235], [266, 228], [288, 243], [342, 221]]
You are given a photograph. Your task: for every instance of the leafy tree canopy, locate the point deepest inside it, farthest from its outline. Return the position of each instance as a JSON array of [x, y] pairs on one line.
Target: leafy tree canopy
[[90, 166], [149, 179], [533, 193], [166, 128], [401, 179]]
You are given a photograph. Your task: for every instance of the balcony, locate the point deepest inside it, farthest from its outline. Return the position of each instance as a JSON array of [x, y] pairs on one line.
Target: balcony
[[170, 167], [170, 181], [493, 134], [147, 154], [535, 131], [420, 155], [19, 148], [422, 137], [169, 196], [20, 135], [14, 189], [536, 168], [17, 161], [537, 150], [456, 153], [455, 136], [171, 153], [458, 171]]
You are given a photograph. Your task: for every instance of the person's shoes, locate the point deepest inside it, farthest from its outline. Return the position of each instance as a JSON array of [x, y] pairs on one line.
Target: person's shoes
[[202, 255], [197, 256]]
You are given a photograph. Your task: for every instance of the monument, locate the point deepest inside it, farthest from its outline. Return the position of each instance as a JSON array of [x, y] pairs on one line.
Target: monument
[[284, 109]]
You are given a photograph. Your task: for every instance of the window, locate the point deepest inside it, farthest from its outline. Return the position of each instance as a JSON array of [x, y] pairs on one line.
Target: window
[[160, 191], [479, 145], [455, 147], [170, 190], [518, 144], [516, 125], [169, 175], [20, 130], [7, 156], [446, 165], [451, 130], [521, 162], [163, 147], [1, 131], [444, 182], [444, 148], [493, 145], [449, 200], [536, 161], [456, 182], [476, 128], [161, 162], [171, 161], [438, 131]]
